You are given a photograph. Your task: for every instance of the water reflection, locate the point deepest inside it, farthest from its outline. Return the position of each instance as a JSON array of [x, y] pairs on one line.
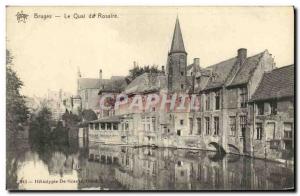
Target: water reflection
[[101, 167]]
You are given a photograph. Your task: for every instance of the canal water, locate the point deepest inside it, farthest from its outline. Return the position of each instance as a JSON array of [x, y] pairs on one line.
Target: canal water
[[91, 166]]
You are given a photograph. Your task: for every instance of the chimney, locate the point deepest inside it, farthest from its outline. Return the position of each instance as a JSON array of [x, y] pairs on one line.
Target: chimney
[[134, 64], [163, 69], [196, 61], [242, 54], [100, 74]]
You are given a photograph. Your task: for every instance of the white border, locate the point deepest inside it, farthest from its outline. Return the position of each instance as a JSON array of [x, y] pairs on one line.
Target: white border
[[3, 4]]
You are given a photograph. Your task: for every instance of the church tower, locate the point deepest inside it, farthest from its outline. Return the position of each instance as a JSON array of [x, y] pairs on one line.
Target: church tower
[[177, 63]]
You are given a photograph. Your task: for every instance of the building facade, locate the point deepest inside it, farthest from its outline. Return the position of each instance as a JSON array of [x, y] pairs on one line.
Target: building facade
[[224, 93], [272, 115]]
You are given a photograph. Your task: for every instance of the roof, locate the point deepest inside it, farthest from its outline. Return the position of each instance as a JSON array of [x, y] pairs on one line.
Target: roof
[[177, 41], [109, 119], [278, 83], [245, 72], [115, 84], [95, 83], [223, 72], [88, 83], [219, 73], [146, 82]]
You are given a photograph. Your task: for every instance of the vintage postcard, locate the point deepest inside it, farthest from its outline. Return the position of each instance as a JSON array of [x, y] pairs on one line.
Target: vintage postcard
[[150, 98]]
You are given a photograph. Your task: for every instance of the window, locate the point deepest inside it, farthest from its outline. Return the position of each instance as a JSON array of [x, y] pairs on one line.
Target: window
[[181, 122], [108, 126], [191, 126], [115, 126], [182, 73], [97, 126], [274, 144], [232, 124], [182, 173], [182, 59], [260, 108], [102, 126], [259, 131], [198, 126], [126, 126], [91, 126], [270, 131], [182, 86], [273, 106], [243, 97], [217, 100], [207, 128], [216, 125], [288, 134], [179, 132], [243, 123], [207, 102], [154, 123]]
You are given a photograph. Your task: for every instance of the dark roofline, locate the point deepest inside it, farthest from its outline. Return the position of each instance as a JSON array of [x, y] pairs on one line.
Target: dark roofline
[[236, 85], [273, 98], [211, 89], [108, 91]]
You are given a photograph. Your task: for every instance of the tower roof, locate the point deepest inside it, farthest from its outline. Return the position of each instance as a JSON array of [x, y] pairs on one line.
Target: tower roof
[[177, 42]]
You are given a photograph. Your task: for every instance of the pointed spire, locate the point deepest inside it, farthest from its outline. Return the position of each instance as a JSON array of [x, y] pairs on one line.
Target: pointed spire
[[177, 42]]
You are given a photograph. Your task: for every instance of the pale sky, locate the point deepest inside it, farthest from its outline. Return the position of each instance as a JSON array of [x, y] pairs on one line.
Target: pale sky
[[48, 52]]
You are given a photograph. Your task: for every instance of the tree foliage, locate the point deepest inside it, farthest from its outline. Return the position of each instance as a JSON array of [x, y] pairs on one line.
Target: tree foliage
[[16, 110], [70, 118], [137, 70], [88, 115]]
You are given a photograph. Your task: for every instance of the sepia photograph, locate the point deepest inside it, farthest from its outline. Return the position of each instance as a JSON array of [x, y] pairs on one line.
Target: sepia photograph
[[150, 98]]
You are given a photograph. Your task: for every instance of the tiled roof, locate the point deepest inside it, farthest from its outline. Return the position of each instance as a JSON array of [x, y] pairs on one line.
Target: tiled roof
[[245, 72], [146, 82], [276, 84], [219, 73]]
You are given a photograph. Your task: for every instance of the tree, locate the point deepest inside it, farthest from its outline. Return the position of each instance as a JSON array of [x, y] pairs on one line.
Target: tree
[[88, 115], [40, 127], [137, 70], [16, 110]]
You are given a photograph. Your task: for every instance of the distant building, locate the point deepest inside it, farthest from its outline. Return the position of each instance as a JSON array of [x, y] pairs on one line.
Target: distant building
[[88, 89], [57, 102]]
